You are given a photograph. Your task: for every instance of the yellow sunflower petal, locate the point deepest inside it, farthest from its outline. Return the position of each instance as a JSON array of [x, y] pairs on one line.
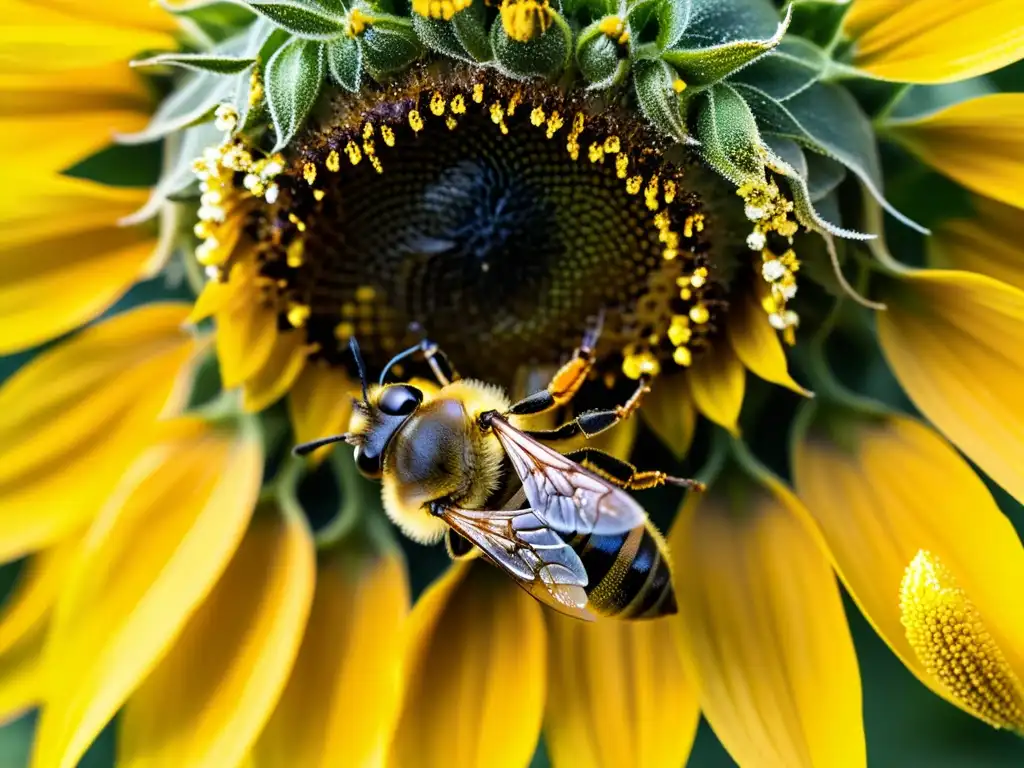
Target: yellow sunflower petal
[[21, 675], [717, 381], [207, 701], [475, 674], [757, 344], [617, 695], [763, 632], [246, 330], [341, 702], [668, 411], [892, 487], [953, 341], [117, 13], [935, 41], [158, 547], [320, 403], [978, 143], [77, 415], [37, 38], [26, 609], [282, 367], [64, 259], [988, 243]]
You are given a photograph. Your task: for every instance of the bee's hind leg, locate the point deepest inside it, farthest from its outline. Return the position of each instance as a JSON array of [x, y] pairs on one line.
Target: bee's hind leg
[[624, 474], [567, 381], [590, 423]]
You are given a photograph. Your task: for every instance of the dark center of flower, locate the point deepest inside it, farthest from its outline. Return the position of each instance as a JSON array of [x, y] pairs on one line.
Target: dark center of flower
[[498, 217]]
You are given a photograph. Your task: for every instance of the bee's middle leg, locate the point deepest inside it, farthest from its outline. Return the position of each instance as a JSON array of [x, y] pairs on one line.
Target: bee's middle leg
[[567, 380], [594, 422], [624, 474]]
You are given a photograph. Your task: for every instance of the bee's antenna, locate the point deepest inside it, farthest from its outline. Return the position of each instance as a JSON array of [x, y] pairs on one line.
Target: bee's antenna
[[397, 358], [354, 346], [312, 445]]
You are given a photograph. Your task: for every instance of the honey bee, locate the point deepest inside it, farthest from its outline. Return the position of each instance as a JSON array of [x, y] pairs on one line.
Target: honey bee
[[456, 463]]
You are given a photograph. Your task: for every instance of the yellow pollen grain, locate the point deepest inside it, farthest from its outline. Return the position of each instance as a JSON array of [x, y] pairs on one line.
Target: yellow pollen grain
[[612, 27], [388, 135], [318, 194], [637, 364], [514, 101], [633, 184], [458, 104], [498, 116], [344, 330], [255, 87], [357, 23], [415, 120], [333, 161], [699, 314], [375, 162], [523, 20], [596, 152], [295, 253], [612, 145], [678, 85], [353, 152], [651, 193], [949, 637], [622, 165], [366, 293], [439, 9], [451, 122], [368, 130], [670, 191], [555, 123], [298, 314], [679, 332], [437, 104], [478, 93], [682, 356], [309, 173], [537, 116]]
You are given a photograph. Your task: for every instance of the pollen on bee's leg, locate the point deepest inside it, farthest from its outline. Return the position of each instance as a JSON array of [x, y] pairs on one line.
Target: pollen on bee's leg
[[950, 638]]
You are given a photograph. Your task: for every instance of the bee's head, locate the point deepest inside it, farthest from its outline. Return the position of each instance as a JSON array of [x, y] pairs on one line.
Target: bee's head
[[376, 419]]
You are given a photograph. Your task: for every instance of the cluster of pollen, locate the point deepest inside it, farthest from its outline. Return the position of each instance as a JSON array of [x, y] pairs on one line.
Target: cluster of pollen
[[222, 205], [949, 637], [439, 9], [771, 213], [357, 23], [524, 20], [614, 28]]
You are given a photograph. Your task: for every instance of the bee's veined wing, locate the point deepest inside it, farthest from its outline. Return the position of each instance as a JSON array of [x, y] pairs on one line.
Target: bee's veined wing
[[563, 494], [519, 543]]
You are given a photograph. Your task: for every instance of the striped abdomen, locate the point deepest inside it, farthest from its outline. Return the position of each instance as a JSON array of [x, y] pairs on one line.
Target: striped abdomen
[[629, 573]]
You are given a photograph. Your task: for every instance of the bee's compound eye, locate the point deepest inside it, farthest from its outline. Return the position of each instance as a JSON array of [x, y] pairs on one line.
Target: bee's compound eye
[[367, 464], [399, 400]]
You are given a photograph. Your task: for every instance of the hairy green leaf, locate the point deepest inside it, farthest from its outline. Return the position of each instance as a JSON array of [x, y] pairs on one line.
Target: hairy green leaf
[[389, 44], [704, 66], [440, 36], [193, 102], [825, 118], [303, 18], [673, 17], [599, 57], [546, 55], [713, 22], [470, 25], [345, 62], [730, 140], [796, 64], [293, 79], [198, 62], [659, 102]]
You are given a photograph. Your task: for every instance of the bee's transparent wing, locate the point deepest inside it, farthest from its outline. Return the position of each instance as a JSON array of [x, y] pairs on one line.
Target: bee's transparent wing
[[563, 494], [519, 542]]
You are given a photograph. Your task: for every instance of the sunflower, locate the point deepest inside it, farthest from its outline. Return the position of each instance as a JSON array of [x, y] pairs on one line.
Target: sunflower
[[824, 195]]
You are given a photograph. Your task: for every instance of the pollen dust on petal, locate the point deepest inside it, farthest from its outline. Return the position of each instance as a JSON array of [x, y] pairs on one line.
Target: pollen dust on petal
[[949, 637]]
